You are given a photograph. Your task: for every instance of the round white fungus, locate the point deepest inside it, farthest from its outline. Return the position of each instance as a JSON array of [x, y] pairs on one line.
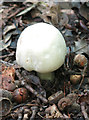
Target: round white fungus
[[41, 47]]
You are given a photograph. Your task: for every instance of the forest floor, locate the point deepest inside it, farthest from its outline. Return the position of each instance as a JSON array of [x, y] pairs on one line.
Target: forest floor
[[23, 95]]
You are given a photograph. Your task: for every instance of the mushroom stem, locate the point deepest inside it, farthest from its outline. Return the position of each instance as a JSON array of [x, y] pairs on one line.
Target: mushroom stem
[[46, 76]]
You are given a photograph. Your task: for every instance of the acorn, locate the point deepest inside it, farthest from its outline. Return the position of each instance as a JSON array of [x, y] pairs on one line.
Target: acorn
[[80, 60], [5, 106], [75, 79], [20, 95]]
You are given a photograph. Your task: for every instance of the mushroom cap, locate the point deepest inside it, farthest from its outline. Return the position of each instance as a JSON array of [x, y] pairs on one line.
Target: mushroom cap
[[41, 47]]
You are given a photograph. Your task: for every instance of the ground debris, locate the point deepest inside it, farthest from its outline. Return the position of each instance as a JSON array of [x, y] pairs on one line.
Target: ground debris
[[63, 98]]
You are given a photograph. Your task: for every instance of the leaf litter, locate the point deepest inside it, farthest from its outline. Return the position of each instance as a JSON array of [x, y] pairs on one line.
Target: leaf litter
[[61, 98]]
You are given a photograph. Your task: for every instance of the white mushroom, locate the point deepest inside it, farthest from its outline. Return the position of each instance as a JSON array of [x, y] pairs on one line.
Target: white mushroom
[[41, 47]]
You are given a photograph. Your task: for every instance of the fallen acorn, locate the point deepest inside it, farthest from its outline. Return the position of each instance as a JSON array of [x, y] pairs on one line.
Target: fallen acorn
[[20, 95], [80, 60], [75, 79]]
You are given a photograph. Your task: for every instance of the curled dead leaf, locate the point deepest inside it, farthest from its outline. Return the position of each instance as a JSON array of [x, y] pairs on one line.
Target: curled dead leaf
[[53, 110], [63, 19], [49, 13], [84, 98], [4, 45], [84, 11], [81, 46], [8, 28]]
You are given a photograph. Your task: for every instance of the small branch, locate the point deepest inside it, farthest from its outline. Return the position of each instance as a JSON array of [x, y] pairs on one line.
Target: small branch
[[84, 110], [34, 111], [19, 116], [83, 75], [23, 82], [35, 92], [9, 55], [15, 13], [81, 48]]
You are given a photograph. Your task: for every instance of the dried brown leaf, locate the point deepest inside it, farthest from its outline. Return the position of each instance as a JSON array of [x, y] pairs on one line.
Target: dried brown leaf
[[48, 12], [53, 110], [84, 11], [81, 46], [4, 45], [26, 10], [63, 19], [8, 28], [7, 78]]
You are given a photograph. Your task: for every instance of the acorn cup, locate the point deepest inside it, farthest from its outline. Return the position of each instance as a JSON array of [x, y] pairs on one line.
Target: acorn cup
[[5, 106]]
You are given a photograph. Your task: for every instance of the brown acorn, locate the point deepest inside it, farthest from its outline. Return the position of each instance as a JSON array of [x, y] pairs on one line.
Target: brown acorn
[[20, 95], [75, 79], [80, 60]]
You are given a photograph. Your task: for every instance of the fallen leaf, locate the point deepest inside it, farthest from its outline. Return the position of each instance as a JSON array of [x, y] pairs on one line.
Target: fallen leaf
[[81, 46], [49, 13], [26, 10], [4, 45], [84, 11], [7, 78], [7, 37], [53, 110], [84, 98], [63, 19], [8, 28]]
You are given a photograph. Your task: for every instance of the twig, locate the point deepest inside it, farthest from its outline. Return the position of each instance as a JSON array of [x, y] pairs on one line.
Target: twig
[[84, 110], [68, 26], [34, 111], [17, 11], [35, 92], [40, 116], [17, 106], [76, 11], [6, 63], [19, 31], [26, 114], [15, 65], [83, 26], [83, 75], [23, 82], [9, 55], [19, 116], [81, 48], [65, 116], [18, 112]]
